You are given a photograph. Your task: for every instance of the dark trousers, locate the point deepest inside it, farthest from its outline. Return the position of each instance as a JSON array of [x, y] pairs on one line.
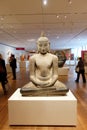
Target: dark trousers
[[3, 86], [83, 75], [2, 80], [14, 73]]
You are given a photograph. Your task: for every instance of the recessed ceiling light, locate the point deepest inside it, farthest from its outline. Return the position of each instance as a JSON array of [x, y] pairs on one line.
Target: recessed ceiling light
[[30, 40], [65, 16], [45, 2], [2, 18], [70, 1], [57, 16]]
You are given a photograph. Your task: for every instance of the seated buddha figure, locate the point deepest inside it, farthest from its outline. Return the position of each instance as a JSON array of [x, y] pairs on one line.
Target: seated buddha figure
[[43, 69]]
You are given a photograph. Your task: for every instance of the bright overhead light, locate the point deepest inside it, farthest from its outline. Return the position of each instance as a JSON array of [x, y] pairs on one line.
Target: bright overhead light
[[30, 40], [57, 16], [70, 2], [2, 18], [65, 16], [45, 2]]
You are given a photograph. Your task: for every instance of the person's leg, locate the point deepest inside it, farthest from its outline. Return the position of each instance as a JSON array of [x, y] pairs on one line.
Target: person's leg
[[83, 77], [3, 86], [14, 73], [6, 80], [78, 75]]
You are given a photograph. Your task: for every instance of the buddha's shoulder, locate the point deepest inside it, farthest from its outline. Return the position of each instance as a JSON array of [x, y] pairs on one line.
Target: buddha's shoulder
[[52, 55], [34, 56]]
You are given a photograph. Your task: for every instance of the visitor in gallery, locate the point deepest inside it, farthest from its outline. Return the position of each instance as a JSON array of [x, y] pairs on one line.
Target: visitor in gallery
[[3, 73], [81, 70], [13, 64], [44, 68]]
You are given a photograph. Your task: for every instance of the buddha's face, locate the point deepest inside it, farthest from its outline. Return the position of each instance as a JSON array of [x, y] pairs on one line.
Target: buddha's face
[[43, 47]]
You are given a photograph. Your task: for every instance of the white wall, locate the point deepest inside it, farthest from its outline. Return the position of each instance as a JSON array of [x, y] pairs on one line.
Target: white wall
[[77, 51], [6, 51]]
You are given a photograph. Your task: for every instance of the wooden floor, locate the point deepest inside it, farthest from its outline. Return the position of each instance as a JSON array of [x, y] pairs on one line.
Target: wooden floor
[[79, 90]]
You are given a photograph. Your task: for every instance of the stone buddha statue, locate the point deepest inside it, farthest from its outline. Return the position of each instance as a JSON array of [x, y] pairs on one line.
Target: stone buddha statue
[[43, 72]]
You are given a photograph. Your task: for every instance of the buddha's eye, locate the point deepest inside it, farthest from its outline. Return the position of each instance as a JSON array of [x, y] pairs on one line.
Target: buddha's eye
[[45, 45], [40, 45]]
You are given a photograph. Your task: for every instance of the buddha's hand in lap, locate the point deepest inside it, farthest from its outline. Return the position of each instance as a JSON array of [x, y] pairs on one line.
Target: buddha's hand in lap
[[45, 84]]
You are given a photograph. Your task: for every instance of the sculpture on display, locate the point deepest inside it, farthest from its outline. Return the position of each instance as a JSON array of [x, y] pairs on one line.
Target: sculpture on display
[[43, 68], [61, 58]]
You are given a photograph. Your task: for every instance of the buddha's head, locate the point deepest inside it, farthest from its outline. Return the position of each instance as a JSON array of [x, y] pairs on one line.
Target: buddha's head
[[43, 45]]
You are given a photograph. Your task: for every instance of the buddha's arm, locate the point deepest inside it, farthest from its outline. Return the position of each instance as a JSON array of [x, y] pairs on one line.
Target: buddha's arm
[[54, 77], [55, 69], [32, 70]]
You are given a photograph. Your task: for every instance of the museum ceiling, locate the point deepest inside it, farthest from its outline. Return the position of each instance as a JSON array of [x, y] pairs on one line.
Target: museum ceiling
[[63, 21]]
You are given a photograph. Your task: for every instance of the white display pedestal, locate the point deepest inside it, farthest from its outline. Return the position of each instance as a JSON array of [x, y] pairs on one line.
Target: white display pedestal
[[53, 110], [24, 65], [63, 71]]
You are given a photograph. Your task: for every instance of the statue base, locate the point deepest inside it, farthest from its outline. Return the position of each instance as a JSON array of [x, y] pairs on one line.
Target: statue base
[[43, 91], [38, 110]]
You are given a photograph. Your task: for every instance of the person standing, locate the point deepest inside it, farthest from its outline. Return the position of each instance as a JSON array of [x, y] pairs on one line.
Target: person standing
[[81, 71], [13, 64], [3, 73]]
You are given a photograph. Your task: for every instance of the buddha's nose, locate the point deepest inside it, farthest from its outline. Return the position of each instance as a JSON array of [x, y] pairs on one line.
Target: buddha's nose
[[43, 49]]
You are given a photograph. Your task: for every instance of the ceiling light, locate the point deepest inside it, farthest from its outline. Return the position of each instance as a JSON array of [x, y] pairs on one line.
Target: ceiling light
[[2, 18], [30, 40], [57, 16], [70, 1], [45, 2], [65, 16]]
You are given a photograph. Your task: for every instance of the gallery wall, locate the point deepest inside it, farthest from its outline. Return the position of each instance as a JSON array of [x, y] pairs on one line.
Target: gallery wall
[[6, 51]]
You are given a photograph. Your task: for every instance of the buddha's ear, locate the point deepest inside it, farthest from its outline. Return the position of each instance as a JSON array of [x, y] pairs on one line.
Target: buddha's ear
[[37, 47], [48, 46]]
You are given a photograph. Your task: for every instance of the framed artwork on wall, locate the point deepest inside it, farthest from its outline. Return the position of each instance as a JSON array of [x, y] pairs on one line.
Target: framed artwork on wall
[[84, 57]]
